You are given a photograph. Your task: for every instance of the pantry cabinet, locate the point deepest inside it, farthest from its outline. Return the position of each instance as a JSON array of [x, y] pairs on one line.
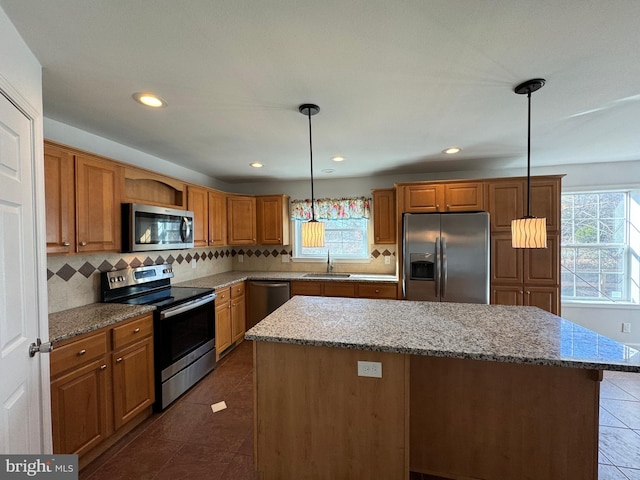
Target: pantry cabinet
[[100, 382], [272, 217], [384, 216], [59, 179], [241, 220]]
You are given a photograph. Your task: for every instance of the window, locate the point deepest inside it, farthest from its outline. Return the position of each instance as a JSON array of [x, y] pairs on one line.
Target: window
[[600, 246], [346, 222], [344, 238]]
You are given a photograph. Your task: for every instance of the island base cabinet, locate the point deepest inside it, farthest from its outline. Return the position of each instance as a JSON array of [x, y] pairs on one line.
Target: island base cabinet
[[316, 418], [474, 419]]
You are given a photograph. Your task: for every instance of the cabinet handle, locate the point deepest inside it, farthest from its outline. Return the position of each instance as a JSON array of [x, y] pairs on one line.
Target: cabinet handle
[[377, 238], [438, 206], [377, 291], [448, 206], [83, 244], [82, 352], [118, 360], [521, 292], [528, 292], [102, 367], [137, 330], [65, 244]]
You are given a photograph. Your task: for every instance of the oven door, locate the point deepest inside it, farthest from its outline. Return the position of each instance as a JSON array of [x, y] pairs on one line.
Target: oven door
[[183, 333]]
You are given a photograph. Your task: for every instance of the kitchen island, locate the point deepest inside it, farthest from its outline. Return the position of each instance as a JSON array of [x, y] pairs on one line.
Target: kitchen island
[[467, 391]]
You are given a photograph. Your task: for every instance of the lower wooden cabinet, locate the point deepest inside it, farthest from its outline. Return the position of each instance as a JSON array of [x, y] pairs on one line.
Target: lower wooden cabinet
[[223, 320], [231, 314], [100, 381], [546, 298], [238, 312], [345, 289]]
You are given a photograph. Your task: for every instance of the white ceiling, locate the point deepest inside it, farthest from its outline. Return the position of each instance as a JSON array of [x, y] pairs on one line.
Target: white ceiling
[[396, 81]]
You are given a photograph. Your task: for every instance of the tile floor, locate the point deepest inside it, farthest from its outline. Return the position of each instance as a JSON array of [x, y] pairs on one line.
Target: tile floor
[[189, 441]]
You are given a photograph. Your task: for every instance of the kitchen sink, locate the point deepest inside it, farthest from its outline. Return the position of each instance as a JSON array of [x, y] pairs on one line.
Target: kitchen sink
[[328, 275]]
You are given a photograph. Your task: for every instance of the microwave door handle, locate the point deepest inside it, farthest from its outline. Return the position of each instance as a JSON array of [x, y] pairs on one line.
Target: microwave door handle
[[443, 250], [436, 266], [185, 230]]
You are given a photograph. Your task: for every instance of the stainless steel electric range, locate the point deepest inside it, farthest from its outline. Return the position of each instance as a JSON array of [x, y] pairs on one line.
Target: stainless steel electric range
[[183, 325]]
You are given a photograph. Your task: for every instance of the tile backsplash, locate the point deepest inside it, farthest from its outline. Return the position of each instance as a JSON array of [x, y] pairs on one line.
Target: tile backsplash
[[73, 281]]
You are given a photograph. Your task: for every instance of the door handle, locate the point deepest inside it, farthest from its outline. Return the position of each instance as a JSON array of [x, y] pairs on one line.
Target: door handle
[[443, 252], [39, 347], [436, 266]]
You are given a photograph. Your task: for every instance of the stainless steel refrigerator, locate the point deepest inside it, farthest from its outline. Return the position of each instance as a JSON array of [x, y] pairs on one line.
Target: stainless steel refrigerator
[[446, 257]]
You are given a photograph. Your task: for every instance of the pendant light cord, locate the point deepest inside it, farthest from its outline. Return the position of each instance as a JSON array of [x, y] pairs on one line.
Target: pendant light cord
[[529, 157], [313, 210]]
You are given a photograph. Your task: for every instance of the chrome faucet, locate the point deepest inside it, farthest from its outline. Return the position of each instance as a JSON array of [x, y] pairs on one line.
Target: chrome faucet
[[329, 263]]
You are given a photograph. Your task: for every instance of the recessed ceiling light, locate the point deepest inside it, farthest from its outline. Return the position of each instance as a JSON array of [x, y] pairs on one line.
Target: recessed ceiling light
[[338, 158], [149, 100], [328, 170], [256, 164], [452, 150]]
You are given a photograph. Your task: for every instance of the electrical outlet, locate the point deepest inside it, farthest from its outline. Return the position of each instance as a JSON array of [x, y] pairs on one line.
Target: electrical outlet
[[387, 260], [370, 369], [626, 327], [193, 263], [240, 258]]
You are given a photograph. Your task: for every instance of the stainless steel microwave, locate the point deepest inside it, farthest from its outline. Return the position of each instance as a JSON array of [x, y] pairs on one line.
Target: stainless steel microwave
[[146, 227]]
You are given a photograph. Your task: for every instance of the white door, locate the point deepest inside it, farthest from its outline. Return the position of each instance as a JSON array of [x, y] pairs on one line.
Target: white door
[[21, 429]]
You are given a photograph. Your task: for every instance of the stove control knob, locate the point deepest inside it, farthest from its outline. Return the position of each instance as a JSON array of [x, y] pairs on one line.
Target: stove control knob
[[112, 279], [120, 278]]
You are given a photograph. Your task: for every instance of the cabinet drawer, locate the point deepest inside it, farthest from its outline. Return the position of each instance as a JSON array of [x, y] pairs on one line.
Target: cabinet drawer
[[224, 294], [237, 289], [306, 288], [78, 352], [339, 289], [373, 290], [132, 331]]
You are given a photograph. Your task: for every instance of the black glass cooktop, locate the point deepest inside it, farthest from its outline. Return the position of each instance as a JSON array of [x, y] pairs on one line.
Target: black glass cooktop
[[169, 296]]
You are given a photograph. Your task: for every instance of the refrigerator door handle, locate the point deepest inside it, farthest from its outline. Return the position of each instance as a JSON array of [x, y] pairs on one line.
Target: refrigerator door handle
[[443, 254], [436, 266]]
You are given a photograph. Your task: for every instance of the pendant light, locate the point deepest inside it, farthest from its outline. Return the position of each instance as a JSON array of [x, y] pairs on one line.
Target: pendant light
[[529, 231], [313, 230]]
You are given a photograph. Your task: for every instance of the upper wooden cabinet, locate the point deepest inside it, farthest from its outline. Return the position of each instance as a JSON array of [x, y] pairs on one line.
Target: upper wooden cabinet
[[241, 220], [217, 218], [272, 218], [384, 216], [60, 200], [443, 197], [143, 186], [198, 203], [98, 198]]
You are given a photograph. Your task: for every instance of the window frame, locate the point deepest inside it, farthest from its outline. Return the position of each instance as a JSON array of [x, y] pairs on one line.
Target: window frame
[[298, 255]]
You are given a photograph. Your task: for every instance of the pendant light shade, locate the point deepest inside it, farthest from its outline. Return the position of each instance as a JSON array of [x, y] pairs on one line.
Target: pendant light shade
[[313, 230], [529, 231]]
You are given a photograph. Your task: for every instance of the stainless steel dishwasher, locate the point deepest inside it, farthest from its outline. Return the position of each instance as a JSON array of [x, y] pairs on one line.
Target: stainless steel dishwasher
[[264, 298]]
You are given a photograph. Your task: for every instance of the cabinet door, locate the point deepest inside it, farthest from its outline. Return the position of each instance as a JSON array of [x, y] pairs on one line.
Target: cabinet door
[[217, 218], [80, 408], [384, 216], [505, 204], [198, 203], [541, 265], [98, 186], [133, 382], [423, 198], [238, 318], [223, 321], [272, 214], [463, 197], [506, 261], [545, 201], [59, 200], [339, 289], [241, 220], [546, 298], [507, 295]]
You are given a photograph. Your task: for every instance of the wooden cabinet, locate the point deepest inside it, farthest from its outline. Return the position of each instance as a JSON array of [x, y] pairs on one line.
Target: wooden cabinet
[[241, 220], [384, 216], [60, 200], [344, 289], [272, 218], [144, 186], [223, 320], [198, 203], [217, 218], [238, 312], [443, 197], [98, 201], [99, 382]]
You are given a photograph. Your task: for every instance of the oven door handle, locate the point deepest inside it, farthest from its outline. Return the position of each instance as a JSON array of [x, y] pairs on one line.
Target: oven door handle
[[185, 307]]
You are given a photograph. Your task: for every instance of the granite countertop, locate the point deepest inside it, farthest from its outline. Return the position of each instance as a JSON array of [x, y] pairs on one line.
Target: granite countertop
[[222, 280], [470, 331], [85, 319]]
